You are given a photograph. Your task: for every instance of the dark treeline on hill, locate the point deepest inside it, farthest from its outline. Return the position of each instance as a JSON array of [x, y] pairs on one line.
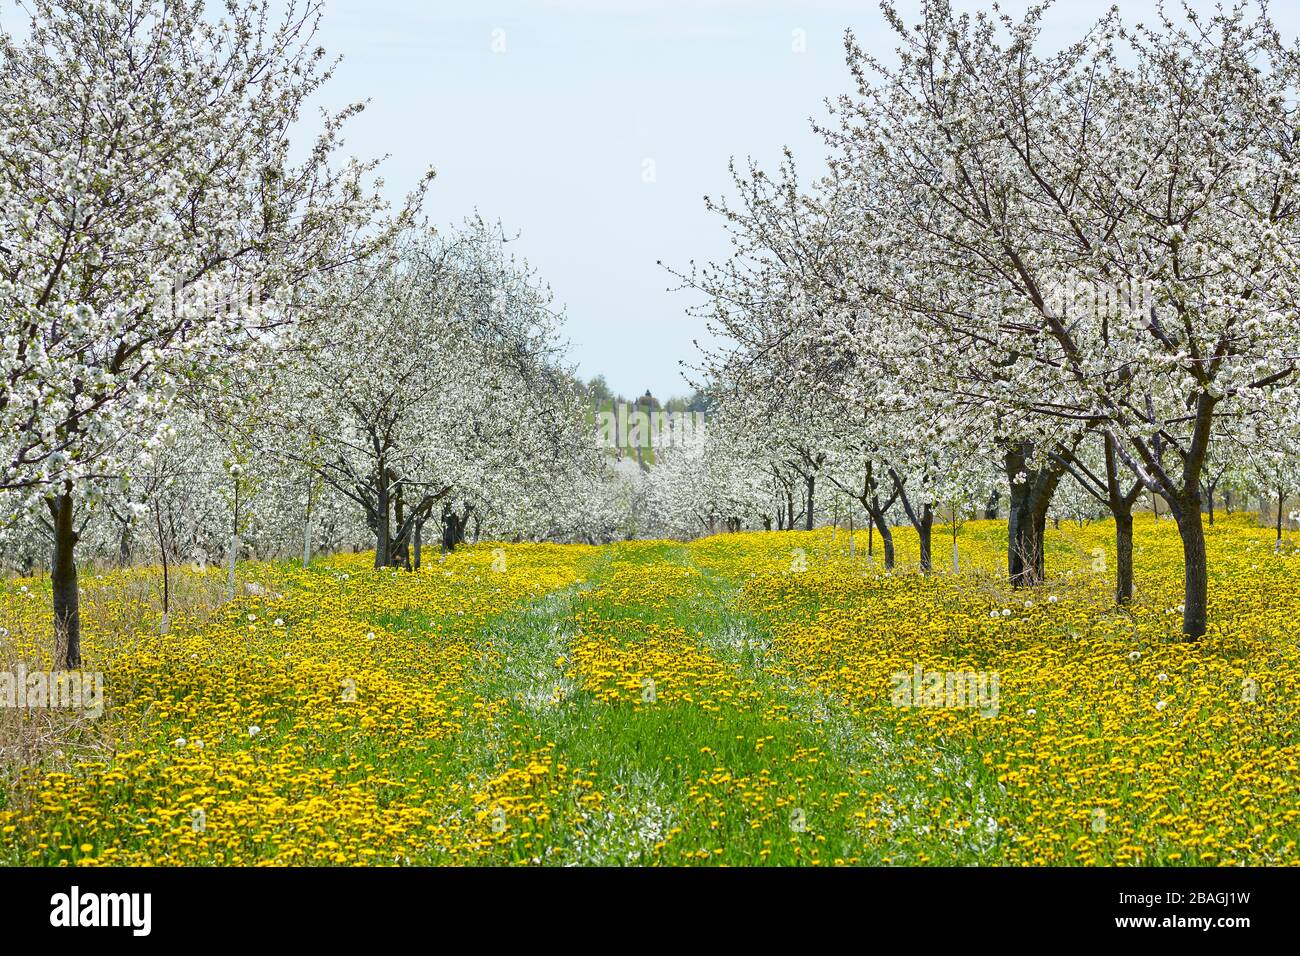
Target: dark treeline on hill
[[603, 396]]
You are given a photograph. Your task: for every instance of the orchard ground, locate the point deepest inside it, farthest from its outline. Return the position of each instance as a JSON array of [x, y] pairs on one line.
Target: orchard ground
[[734, 700]]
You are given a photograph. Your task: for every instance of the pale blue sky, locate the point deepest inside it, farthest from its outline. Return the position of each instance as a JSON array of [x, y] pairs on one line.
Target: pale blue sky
[[552, 136]]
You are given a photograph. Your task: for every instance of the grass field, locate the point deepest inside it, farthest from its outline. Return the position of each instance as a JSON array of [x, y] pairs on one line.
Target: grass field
[[728, 701]]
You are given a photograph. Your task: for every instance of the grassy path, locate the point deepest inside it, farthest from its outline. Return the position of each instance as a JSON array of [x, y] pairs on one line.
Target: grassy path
[[698, 739]]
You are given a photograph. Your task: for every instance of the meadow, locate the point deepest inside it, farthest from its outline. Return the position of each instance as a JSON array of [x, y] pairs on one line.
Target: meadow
[[728, 701]]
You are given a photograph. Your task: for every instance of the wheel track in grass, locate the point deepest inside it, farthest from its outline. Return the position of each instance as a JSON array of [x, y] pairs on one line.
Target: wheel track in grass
[[891, 795]]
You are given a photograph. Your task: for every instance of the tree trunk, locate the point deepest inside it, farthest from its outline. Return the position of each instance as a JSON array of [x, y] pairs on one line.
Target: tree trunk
[[1027, 513], [812, 483], [234, 545], [63, 580], [1016, 508], [886, 540], [306, 531], [452, 528], [1124, 556], [162, 549], [991, 509], [419, 541], [1040, 537], [1121, 505], [923, 529], [956, 556], [1195, 581], [382, 544], [230, 568], [1026, 532], [1019, 538], [1281, 499], [400, 545]]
